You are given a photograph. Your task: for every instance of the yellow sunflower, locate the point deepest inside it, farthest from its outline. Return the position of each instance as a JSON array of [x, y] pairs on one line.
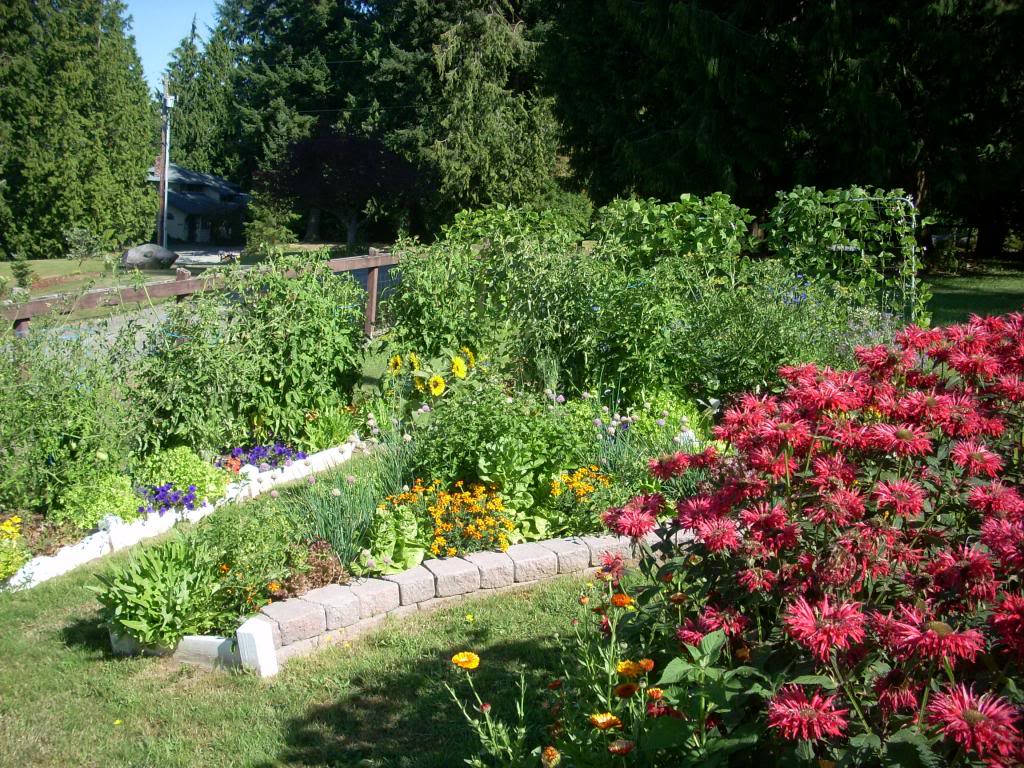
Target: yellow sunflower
[[437, 385], [468, 353], [395, 364], [466, 660], [459, 369], [414, 361]]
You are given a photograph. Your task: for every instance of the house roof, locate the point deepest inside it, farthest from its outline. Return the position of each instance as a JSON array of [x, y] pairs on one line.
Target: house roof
[[179, 175], [198, 204]]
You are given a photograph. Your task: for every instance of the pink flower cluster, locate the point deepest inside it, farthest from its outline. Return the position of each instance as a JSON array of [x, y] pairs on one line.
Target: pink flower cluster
[[868, 525]]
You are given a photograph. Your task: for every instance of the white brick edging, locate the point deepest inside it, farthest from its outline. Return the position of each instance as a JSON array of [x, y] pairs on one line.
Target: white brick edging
[[115, 534], [336, 613]]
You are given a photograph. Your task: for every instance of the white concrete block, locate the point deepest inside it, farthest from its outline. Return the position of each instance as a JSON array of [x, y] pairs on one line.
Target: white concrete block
[[208, 651], [256, 648]]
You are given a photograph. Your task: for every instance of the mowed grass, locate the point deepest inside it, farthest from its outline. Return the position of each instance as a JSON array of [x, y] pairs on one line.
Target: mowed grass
[[378, 702], [994, 291]]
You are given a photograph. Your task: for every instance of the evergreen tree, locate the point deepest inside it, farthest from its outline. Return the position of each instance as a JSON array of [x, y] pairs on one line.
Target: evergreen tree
[[78, 127]]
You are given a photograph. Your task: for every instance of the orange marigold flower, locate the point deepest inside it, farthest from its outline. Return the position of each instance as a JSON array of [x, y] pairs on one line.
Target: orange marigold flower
[[629, 669], [621, 600], [646, 664], [273, 586], [655, 694], [550, 758], [466, 660], [604, 720], [224, 567], [621, 747], [584, 599], [625, 690]]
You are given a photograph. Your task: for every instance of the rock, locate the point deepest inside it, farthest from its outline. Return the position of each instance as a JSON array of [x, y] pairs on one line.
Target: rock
[[148, 256]]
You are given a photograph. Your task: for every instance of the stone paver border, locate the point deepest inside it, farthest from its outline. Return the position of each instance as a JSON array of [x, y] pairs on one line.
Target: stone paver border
[[341, 613], [115, 534]]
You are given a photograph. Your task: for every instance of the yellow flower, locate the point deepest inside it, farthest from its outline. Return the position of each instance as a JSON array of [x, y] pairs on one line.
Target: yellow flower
[[395, 364], [418, 383], [604, 720], [470, 618], [629, 669], [466, 660], [273, 586], [437, 385], [468, 353], [414, 361], [459, 369]]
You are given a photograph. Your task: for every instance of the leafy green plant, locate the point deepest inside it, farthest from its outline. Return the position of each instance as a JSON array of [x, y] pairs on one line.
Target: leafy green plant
[[164, 593], [183, 467], [66, 419], [255, 549], [13, 552], [329, 424], [865, 238], [255, 361], [89, 500], [711, 231], [269, 226], [83, 243]]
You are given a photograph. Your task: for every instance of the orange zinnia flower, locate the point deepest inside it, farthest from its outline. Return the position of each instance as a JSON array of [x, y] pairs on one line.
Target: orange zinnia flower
[[466, 660], [604, 720], [621, 600], [646, 664], [629, 669], [625, 690], [655, 694], [621, 747], [550, 758]]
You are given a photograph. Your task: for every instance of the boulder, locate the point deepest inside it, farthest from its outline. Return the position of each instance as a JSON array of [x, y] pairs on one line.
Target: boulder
[[148, 256]]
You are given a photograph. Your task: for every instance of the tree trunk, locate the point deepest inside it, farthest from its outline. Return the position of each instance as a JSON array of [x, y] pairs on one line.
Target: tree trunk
[[992, 233], [313, 226], [352, 226]]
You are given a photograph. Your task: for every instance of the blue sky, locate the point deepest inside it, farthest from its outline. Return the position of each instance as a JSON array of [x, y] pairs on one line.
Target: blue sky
[[158, 26]]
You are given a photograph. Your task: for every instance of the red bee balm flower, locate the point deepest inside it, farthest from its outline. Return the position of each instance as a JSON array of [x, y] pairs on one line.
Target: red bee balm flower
[[824, 627], [984, 725], [916, 634], [797, 717], [903, 497], [1008, 621], [975, 459], [902, 439]]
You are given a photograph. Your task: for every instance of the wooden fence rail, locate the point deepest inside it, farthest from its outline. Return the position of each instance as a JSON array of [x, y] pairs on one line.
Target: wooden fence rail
[[22, 314]]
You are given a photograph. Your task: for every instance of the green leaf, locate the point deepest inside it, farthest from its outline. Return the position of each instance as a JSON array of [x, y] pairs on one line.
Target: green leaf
[[675, 671], [664, 733], [823, 680], [909, 748]]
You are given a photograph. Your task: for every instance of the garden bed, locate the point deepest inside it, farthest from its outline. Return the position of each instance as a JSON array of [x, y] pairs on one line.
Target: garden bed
[[115, 534], [336, 613]]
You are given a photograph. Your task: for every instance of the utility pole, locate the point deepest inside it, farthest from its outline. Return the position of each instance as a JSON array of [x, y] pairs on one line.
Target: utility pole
[[165, 162]]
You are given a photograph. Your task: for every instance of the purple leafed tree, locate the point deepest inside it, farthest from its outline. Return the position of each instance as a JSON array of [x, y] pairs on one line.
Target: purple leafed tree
[[342, 176]]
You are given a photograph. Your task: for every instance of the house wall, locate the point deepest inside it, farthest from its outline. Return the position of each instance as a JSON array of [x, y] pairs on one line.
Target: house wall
[[177, 227]]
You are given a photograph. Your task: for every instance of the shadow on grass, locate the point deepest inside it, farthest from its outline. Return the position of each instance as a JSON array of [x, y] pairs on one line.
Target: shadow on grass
[[87, 633], [404, 718]]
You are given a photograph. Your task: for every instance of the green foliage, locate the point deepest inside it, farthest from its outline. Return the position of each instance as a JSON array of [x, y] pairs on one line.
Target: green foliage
[[250, 547], [65, 418], [482, 432], [722, 336], [183, 467], [22, 272], [164, 593], [269, 226], [89, 500], [331, 423], [79, 128], [82, 243], [712, 231], [254, 361], [864, 238]]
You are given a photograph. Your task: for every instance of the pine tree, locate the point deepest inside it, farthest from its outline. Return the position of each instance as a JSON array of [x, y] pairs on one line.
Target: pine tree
[[78, 126]]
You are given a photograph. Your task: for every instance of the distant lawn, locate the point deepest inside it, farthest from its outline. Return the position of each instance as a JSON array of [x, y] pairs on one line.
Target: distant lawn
[[379, 703], [994, 291]]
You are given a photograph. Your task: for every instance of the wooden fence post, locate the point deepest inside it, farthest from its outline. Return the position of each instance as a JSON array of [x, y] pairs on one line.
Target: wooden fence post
[[372, 279]]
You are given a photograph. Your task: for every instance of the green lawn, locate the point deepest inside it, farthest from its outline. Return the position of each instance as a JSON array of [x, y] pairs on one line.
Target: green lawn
[[993, 291], [379, 702]]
